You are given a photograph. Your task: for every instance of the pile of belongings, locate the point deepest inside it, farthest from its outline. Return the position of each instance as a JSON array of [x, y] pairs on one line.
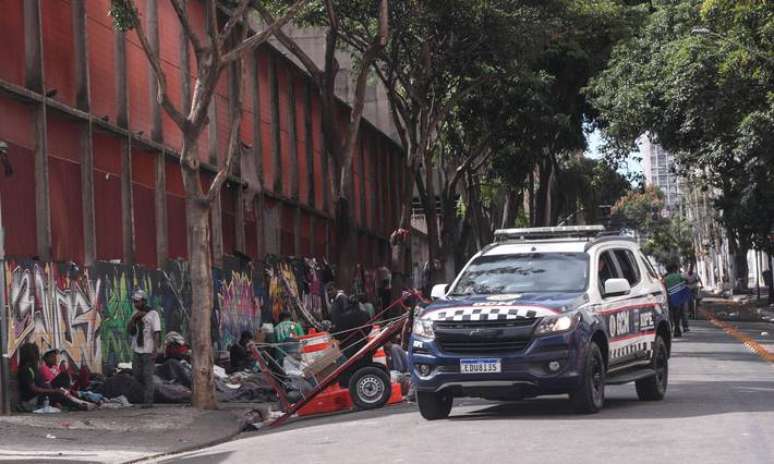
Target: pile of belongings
[[173, 384]]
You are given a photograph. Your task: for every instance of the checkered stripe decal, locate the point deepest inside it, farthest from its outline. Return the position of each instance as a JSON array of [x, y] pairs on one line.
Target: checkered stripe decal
[[483, 314], [632, 349]]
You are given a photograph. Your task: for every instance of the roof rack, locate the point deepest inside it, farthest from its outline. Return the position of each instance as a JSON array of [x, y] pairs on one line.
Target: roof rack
[[537, 233]]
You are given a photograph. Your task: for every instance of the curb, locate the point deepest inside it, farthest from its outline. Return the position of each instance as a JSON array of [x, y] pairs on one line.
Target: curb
[[189, 448], [749, 343]]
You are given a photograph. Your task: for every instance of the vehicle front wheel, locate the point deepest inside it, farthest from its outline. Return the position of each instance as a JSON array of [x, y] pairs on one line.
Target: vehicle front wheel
[[433, 406], [590, 396], [654, 388], [370, 388]]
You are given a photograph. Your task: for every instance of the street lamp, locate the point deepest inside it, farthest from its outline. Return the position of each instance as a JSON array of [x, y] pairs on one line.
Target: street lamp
[[705, 32]]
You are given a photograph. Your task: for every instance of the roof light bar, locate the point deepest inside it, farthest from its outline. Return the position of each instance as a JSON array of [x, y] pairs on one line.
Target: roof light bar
[[547, 232]]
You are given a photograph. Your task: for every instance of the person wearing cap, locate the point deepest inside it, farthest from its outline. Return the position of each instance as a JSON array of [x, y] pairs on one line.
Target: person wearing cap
[[145, 329], [53, 374]]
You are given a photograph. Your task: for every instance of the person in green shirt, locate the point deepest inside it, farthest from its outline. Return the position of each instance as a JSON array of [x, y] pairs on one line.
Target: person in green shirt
[[678, 294], [287, 328]]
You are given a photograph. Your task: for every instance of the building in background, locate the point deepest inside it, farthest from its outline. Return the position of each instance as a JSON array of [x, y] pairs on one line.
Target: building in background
[[658, 167]]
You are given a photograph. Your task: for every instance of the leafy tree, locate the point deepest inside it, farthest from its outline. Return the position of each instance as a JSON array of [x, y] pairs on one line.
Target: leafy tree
[[699, 78], [667, 239], [221, 47]]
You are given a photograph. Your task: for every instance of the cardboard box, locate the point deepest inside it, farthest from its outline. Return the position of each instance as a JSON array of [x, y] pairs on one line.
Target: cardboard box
[[324, 363]]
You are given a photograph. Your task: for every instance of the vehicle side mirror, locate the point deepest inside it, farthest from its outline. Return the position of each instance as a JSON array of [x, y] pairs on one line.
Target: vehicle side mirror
[[617, 287], [439, 292]]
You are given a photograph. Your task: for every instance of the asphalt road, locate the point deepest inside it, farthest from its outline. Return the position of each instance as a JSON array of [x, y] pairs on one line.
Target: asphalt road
[[719, 409]]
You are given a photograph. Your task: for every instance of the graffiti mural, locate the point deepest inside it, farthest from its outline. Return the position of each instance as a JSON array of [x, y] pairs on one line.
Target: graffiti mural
[[312, 292], [239, 307], [84, 312], [54, 307], [118, 282]]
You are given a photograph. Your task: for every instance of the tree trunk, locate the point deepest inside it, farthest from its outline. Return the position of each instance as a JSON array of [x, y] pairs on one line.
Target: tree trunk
[[197, 217], [399, 262], [346, 245], [742, 269]]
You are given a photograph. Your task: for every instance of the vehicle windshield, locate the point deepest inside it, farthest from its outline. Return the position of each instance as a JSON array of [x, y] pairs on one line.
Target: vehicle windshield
[[524, 273]]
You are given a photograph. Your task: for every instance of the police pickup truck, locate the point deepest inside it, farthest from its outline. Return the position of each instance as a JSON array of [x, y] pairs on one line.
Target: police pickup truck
[[544, 311]]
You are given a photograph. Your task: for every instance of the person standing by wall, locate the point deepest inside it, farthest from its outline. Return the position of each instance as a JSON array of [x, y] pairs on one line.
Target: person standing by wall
[[145, 329]]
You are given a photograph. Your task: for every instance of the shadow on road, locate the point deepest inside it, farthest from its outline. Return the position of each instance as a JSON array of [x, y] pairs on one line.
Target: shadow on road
[[689, 399], [203, 458]]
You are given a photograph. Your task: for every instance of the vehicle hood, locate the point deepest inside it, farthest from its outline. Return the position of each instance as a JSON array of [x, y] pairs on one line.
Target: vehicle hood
[[489, 307]]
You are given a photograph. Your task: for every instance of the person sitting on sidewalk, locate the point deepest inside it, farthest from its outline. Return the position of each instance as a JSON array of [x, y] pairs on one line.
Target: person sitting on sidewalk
[[31, 393], [287, 328], [52, 373], [239, 353]]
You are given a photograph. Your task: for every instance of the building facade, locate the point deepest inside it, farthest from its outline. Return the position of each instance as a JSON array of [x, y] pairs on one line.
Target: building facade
[[96, 179], [658, 167]]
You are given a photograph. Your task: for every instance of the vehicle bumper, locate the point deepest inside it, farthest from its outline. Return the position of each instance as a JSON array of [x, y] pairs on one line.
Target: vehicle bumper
[[524, 374]]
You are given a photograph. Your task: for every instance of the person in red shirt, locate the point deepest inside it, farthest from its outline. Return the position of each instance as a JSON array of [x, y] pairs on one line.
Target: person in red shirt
[[52, 373]]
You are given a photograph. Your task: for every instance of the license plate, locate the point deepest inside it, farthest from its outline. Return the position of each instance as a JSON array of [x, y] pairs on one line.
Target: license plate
[[480, 366]]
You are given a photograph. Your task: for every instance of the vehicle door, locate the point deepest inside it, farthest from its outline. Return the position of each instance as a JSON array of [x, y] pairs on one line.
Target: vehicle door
[[627, 316]]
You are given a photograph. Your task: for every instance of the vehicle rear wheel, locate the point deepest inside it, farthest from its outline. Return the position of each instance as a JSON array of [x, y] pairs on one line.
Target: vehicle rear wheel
[[433, 406], [654, 388], [590, 396], [370, 388]]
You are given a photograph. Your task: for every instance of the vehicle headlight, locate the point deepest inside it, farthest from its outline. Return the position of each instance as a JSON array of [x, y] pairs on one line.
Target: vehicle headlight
[[424, 328], [557, 324]]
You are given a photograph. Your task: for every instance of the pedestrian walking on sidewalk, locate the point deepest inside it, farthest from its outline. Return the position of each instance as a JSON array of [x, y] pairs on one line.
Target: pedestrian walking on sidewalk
[[678, 297], [693, 283], [767, 280], [145, 329]]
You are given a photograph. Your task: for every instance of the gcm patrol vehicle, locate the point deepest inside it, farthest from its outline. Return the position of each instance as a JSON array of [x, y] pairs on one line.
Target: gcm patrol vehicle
[[544, 311]]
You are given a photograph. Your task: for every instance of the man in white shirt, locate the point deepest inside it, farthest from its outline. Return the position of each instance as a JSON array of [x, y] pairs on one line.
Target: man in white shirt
[[145, 329]]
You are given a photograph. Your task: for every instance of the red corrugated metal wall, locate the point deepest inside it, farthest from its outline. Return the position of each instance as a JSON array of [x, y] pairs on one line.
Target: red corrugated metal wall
[[108, 209], [101, 49], [302, 171], [58, 55], [306, 235], [316, 141], [251, 234], [267, 135], [64, 176], [228, 202], [12, 36], [372, 176], [287, 237], [284, 104], [176, 222], [143, 197], [17, 191]]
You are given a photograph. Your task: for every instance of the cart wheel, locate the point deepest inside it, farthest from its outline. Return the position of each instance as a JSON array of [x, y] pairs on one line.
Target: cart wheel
[[370, 388]]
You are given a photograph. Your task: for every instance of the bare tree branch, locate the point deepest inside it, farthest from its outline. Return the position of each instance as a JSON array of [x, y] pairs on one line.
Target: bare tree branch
[[356, 114], [462, 168], [237, 16], [153, 58], [234, 145], [289, 43], [182, 15], [259, 37]]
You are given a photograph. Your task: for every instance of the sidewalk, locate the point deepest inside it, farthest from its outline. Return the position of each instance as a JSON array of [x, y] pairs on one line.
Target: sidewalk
[[739, 308], [115, 436]]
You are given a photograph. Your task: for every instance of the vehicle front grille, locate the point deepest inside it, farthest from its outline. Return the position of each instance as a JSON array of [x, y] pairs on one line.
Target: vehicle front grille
[[484, 337], [483, 347]]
